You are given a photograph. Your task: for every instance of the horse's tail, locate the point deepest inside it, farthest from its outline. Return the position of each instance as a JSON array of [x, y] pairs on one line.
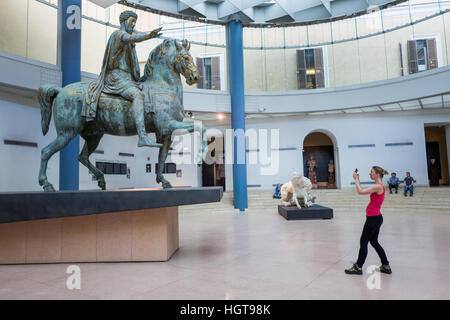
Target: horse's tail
[[46, 95]]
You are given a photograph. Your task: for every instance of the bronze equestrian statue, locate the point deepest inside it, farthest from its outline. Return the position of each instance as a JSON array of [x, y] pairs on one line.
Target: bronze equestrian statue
[[121, 102]]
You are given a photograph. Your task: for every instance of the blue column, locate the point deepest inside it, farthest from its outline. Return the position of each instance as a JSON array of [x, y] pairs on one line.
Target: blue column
[[70, 26], [236, 85]]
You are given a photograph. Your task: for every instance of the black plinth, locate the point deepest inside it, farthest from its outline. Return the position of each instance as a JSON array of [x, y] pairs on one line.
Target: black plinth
[[314, 212], [24, 206]]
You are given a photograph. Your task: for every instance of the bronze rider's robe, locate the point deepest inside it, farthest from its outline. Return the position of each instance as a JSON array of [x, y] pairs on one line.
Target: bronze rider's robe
[[112, 80]]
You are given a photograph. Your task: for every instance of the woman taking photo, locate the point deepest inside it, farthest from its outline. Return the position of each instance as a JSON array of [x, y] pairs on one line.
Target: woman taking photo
[[374, 220]]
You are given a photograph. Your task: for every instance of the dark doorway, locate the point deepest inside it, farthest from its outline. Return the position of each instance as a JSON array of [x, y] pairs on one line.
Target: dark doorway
[[434, 173], [322, 155], [436, 148], [318, 155], [213, 174], [208, 175]]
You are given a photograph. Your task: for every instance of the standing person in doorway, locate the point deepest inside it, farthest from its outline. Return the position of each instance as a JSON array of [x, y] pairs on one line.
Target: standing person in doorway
[[374, 220], [433, 170]]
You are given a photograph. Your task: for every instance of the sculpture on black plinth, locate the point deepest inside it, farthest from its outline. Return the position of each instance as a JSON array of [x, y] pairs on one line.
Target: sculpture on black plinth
[[120, 102], [297, 192]]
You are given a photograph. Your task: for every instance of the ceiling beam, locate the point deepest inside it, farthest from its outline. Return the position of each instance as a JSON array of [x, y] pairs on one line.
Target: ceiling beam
[[421, 104], [327, 5]]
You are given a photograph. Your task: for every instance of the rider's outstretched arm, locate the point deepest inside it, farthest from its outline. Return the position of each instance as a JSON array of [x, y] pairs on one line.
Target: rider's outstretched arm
[[137, 36]]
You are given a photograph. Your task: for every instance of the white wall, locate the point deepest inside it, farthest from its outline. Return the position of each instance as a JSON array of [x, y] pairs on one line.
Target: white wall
[[139, 178], [351, 129], [19, 166]]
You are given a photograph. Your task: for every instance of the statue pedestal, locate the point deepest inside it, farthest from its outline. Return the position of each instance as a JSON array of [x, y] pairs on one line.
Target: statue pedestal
[[143, 235], [314, 212], [54, 227]]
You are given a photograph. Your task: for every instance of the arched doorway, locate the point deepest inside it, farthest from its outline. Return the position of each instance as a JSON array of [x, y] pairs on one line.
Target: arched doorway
[[319, 163]]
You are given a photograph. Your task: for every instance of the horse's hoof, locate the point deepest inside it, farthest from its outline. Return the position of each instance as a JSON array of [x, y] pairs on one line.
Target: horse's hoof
[[198, 159], [102, 185], [146, 142], [49, 188], [167, 185]]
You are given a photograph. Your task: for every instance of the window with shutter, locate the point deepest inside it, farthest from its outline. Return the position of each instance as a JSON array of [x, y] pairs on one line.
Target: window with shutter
[[209, 70], [319, 68], [215, 73], [207, 73], [301, 69], [310, 68], [412, 57], [200, 83], [432, 53], [422, 53]]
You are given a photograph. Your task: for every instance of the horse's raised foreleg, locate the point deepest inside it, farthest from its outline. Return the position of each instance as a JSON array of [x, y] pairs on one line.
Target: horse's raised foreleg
[[56, 145], [89, 146], [163, 151], [191, 127]]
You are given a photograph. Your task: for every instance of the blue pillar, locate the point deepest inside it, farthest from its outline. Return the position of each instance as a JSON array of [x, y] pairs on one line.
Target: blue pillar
[[70, 25], [236, 85]]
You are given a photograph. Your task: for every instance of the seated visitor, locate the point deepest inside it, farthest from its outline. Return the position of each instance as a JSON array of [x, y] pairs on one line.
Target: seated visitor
[[393, 182], [277, 194], [409, 184]]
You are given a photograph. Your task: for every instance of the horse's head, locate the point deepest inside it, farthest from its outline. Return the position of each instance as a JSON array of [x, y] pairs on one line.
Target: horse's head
[[183, 62], [176, 55]]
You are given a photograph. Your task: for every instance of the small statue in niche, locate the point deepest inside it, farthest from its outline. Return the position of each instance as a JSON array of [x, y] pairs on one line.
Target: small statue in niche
[[297, 192], [331, 177], [312, 166]]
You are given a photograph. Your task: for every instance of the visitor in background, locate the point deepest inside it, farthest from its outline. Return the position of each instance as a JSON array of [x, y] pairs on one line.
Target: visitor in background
[[433, 172], [393, 182], [277, 194], [374, 220], [312, 168], [409, 184]]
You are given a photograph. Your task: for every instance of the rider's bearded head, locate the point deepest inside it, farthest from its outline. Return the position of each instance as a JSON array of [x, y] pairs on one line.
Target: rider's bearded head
[[124, 16]]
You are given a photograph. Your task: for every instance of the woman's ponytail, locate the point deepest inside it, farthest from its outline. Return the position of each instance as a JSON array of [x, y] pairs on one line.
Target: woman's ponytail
[[380, 171]]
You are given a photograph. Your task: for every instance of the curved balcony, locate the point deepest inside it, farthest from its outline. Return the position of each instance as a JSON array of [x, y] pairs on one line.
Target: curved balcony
[[428, 89]]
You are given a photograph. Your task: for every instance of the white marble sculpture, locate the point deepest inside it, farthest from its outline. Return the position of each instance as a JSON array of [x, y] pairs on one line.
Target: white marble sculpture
[[297, 192]]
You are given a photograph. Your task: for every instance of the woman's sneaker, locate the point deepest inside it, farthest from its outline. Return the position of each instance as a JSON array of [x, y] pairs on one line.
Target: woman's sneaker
[[354, 270], [385, 269]]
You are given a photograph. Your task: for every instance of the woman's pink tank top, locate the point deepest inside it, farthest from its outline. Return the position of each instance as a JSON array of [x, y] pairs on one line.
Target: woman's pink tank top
[[374, 206]]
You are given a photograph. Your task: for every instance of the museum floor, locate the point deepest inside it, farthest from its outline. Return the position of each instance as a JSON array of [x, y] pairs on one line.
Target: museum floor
[[259, 255]]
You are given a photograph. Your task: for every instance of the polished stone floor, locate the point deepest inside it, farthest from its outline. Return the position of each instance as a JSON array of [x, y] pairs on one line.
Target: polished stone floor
[[259, 255]]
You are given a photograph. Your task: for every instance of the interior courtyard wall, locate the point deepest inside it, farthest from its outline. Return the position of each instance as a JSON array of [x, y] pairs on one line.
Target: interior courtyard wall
[[354, 130], [29, 28], [19, 165]]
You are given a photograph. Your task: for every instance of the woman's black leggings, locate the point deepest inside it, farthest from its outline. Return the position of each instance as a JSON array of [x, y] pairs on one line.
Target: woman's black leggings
[[370, 234]]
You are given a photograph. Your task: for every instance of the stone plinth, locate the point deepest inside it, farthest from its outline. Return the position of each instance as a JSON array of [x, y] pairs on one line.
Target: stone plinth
[[94, 226], [142, 235], [314, 212]]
